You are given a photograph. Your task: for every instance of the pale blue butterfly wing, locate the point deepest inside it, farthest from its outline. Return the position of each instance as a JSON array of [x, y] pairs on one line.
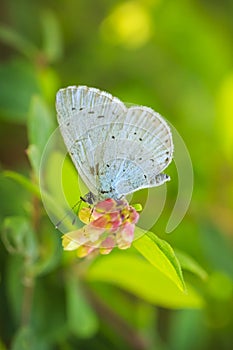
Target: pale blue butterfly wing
[[116, 150]]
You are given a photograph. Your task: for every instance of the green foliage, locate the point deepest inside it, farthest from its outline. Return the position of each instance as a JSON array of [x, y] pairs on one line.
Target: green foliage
[[167, 291], [160, 254], [82, 320], [189, 264], [135, 275], [18, 237], [18, 84], [38, 136], [23, 181], [26, 339]]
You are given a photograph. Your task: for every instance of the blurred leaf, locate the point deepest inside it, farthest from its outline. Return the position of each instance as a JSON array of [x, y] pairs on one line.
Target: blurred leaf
[[187, 330], [48, 314], [18, 84], [10, 203], [40, 128], [138, 313], [52, 41], [51, 251], [34, 189], [16, 41], [192, 37], [224, 122], [189, 264], [49, 83], [19, 237], [61, 178], [23, 181], [220, 286], [161, 255], [137, 276], [81, 318], [14, 286], [217, 249], [34, 157], [26, 339], [70, 182]]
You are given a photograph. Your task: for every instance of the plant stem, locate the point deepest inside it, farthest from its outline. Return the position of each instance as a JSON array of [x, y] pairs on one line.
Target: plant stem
[[130, 335]]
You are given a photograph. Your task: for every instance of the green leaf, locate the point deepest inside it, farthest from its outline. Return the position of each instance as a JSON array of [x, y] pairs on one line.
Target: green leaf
[[189, 264], [18, 83], [34, 157], [82, 320], [33, 188], [49, 83], [71, 182], [187, 330], [19, 237], [10, 202], [23, 181], [136, 275], [220, 286], [52, 41], [26, 339], [161, 255], [51, 254], [40, 128], [61, 179], [217, 248], [137, 313], [48, 314], [14, 286], [16, 41]]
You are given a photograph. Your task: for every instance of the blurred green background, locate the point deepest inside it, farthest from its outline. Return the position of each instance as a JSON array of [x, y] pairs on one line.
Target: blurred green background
[[176, 57]]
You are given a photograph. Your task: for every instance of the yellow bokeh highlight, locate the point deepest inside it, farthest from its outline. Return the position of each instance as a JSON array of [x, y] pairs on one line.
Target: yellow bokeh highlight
[[129, 24], [225, 116]]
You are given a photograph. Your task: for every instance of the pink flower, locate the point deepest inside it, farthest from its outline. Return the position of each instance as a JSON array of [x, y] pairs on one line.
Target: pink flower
[[109, 223]]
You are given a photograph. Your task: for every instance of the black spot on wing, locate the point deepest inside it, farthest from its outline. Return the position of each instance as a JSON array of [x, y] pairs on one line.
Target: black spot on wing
[[97, 169]]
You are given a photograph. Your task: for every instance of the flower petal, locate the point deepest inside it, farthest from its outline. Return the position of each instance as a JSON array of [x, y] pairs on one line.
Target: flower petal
[[110, 223], [85, 215], [84, 251]]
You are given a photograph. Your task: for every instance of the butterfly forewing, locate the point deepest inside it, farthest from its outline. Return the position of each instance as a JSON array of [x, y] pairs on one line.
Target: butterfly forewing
[[79, 109]]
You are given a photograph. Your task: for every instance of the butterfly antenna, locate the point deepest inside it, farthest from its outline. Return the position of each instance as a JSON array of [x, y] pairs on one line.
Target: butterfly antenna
[[74, 206]]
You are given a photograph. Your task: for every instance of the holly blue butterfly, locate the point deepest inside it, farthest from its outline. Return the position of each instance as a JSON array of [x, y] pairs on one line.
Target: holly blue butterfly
[[116, 150]]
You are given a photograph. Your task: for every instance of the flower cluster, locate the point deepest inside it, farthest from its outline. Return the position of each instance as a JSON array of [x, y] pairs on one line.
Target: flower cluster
[[110, 223]]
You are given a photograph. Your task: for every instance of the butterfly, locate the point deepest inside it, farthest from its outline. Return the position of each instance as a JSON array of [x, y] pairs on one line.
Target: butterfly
[[116, 151]]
